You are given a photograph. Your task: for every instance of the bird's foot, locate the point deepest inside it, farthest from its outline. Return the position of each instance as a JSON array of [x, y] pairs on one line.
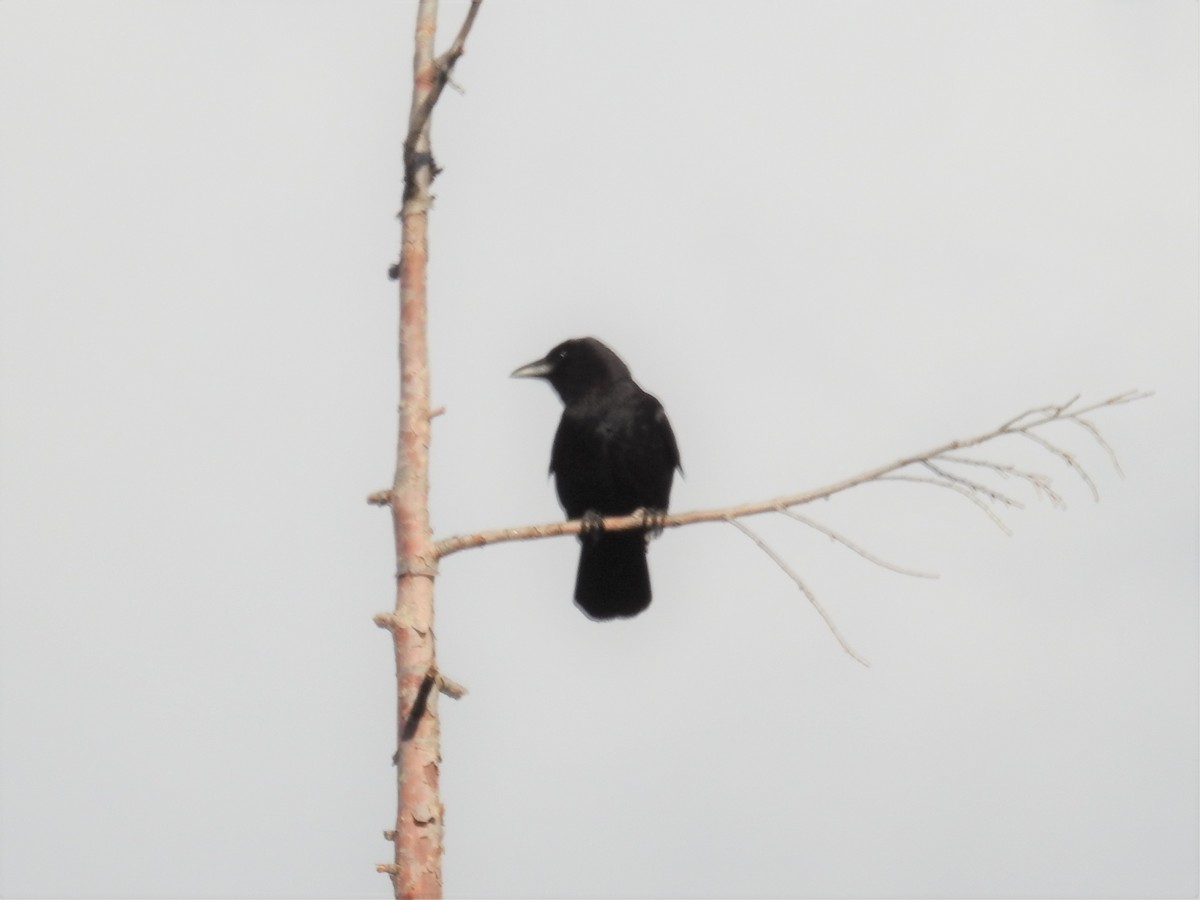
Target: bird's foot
[[653, 520], [591, 525]]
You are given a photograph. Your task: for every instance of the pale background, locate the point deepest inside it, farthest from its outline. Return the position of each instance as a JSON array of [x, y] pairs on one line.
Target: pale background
[[823, 234]]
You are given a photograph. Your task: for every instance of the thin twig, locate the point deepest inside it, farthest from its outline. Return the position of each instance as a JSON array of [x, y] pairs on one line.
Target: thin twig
[[1052, 411], [812, 598], [1099, 438], [1066, 457], [973, 486], [1040, 483], [444, 65], [958, 488], [458, 45], [846, 542]]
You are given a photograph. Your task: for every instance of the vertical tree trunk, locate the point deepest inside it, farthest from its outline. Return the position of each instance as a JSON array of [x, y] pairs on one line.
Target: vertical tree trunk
[[417, 868], [418, 834]]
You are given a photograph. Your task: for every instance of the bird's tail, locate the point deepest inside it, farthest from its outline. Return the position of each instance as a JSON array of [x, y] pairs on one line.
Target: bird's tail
[[613, 580]]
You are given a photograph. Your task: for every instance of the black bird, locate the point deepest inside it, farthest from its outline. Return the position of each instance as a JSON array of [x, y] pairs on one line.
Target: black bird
[[614, 453]]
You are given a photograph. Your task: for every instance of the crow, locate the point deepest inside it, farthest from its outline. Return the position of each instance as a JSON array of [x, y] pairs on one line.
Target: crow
[[614, 454]]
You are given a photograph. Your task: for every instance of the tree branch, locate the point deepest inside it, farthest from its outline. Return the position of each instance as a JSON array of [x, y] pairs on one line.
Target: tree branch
[[934, 461], [431, 78], [846, 542], [948, 452], [804, 588], [958, 488]]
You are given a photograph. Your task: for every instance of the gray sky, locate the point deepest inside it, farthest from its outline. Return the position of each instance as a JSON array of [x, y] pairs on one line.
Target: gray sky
[[824, 235]]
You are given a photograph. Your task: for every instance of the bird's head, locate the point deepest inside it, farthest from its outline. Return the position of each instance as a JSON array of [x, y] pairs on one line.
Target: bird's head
[[576, 367]]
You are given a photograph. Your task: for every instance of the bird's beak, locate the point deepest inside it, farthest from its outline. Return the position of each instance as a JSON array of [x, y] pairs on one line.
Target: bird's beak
[[539, 369]]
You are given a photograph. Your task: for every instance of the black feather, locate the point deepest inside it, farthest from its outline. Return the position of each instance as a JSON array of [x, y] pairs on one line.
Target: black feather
[[614, 453]]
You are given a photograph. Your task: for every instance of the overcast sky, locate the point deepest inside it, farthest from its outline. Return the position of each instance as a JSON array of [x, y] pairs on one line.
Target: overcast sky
[[825, 235]]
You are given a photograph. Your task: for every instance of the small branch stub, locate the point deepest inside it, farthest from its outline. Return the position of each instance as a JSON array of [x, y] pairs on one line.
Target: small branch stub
[[450, 688]]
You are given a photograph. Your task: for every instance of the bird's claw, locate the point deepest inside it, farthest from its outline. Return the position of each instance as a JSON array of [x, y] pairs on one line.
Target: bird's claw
[[591, 525], [652, 519]]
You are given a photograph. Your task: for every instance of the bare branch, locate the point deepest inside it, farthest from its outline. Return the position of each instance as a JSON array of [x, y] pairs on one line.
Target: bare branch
[[934, 461], [958, 488], [1049, 412], [1040, 483], [974, 487], [1032, 418], [812, 598], [447, 60], [1066, 457], [443, 65], [846, 542], [1099, 438]]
